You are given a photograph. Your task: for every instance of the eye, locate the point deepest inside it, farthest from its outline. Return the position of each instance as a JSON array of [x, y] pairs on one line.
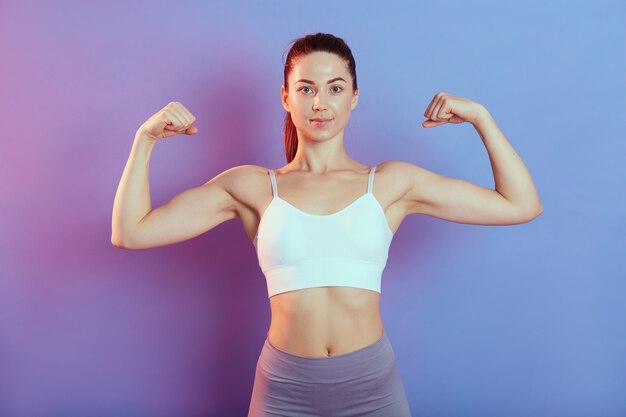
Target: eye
[[337, 87], [303, 88]]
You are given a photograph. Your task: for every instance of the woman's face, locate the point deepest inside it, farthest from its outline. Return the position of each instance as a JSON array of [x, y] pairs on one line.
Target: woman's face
[[320, 86]]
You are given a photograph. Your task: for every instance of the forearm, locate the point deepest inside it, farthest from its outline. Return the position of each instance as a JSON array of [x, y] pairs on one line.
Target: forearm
[[512, 179], [132, 199]]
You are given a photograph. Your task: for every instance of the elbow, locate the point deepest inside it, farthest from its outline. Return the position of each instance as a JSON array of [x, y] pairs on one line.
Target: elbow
[[118, 242], [534, 214], [121, 238], [525, 215]]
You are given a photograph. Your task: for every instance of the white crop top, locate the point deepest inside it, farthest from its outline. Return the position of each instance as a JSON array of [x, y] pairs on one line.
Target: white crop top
[[299, 250]]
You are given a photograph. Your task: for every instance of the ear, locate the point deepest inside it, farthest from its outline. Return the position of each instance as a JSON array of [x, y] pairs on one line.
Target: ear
[[283, 94], [355, 99]]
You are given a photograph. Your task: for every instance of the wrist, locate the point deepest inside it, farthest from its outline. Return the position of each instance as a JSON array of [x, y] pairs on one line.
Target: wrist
[[482, 116], [144, 138]]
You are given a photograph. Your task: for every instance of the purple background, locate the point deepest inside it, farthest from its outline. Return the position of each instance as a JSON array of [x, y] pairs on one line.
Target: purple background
[[524, 320]]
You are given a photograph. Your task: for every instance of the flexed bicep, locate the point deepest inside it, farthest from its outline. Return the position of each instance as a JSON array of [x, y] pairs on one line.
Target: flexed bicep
[[456, 200]]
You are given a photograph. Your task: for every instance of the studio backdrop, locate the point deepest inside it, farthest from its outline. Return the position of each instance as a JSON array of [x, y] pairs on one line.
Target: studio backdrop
[[524, 320]]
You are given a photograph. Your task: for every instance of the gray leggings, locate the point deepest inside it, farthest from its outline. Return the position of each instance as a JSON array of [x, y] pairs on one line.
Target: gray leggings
[[365, 382]]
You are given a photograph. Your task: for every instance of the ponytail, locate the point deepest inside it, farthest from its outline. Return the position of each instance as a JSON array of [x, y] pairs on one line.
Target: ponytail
[[291, 138]]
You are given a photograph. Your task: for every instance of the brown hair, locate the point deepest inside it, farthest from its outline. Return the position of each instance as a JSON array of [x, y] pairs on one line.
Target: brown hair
[[304, 46]]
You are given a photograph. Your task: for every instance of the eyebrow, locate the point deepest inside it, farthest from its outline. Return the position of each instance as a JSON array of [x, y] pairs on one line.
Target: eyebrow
[[327, 82]]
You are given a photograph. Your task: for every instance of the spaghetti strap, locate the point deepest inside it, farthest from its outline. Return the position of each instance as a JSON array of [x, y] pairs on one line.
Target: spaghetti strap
[[370, 182], [274, 185]]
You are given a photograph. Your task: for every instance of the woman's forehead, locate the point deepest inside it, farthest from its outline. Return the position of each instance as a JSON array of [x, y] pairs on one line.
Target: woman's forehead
[[320, 66]]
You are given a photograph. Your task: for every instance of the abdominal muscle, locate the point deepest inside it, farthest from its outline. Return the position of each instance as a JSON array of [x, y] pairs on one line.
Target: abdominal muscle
[[325, 321]]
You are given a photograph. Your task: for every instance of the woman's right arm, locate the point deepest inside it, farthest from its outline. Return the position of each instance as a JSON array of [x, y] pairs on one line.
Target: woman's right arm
[[135, 225]]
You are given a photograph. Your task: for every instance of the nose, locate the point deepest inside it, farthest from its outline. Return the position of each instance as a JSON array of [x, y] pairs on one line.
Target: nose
[[319, 107], [319, 103]]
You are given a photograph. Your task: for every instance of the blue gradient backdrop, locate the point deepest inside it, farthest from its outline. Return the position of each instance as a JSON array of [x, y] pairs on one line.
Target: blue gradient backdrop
[[517, 321]]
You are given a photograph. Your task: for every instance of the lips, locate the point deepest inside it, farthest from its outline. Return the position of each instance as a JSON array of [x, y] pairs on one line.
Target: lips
[[320, 122]]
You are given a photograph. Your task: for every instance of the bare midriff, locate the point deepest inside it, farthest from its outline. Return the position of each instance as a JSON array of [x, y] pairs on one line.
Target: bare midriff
[[325, 321]]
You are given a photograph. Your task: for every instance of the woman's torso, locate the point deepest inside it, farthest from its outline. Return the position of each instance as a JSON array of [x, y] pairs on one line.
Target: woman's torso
[[322, 321]]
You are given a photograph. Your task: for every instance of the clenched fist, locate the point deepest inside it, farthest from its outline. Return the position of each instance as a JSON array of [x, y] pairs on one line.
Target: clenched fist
[[448, 108], [171, 120]]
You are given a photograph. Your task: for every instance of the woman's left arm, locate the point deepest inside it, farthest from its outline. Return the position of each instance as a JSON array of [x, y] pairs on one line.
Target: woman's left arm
[[515, 198]]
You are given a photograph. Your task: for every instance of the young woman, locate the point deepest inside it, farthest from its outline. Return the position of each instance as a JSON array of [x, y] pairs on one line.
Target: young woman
[[322, 225]]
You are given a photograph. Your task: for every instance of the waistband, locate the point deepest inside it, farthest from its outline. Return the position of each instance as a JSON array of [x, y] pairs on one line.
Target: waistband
[[367, 361]]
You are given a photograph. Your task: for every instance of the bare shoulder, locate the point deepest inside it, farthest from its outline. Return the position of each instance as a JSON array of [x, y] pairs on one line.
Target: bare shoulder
[[406, 182], [396, 167], [397, 174], [237, 177], [244, 183], [243, 179]]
